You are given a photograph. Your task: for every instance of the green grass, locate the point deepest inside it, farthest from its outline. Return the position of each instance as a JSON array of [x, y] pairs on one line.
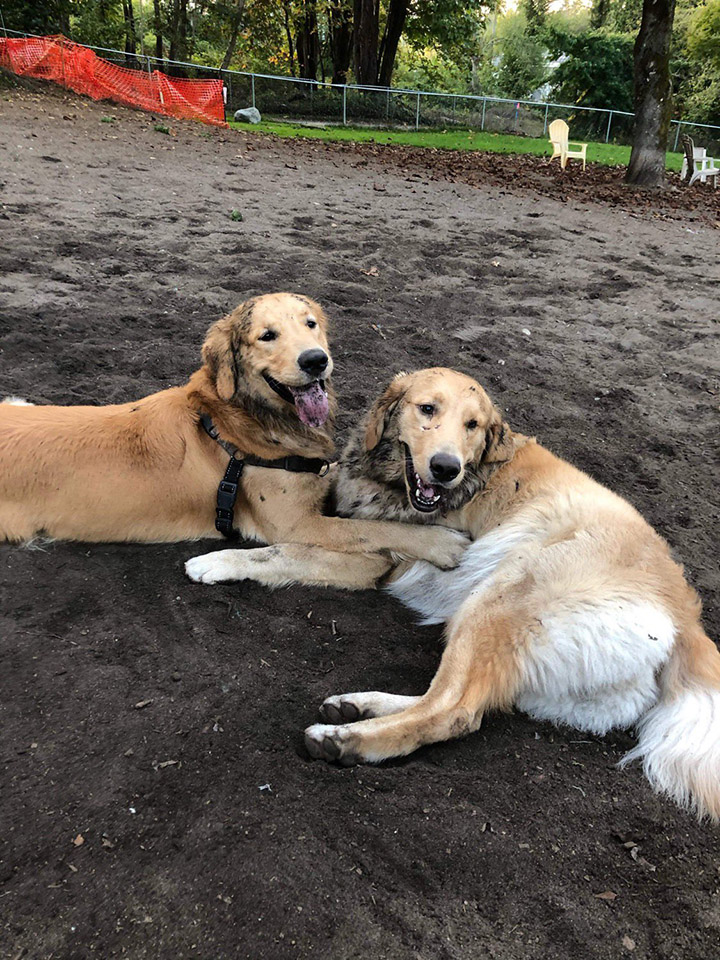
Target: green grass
[[609, 154]]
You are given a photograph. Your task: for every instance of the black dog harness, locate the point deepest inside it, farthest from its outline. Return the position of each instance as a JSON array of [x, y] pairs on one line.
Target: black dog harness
[[228, 487]]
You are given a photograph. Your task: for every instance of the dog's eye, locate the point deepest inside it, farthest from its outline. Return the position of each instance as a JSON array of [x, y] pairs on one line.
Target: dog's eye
[[268, 335], [427, 408], [312, 324], [471, 424]]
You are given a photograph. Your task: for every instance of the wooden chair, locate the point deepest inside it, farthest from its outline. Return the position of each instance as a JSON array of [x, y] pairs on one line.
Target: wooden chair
[[697, 165], [559, 132]]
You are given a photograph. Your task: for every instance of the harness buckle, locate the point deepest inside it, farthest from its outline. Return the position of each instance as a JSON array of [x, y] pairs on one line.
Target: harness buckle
[[226, 495]]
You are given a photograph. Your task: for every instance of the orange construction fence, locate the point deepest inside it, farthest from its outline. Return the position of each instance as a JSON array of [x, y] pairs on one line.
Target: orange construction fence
[[81, 70]]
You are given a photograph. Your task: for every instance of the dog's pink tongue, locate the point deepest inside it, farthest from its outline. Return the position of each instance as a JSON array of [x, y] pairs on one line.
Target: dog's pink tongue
[[311, 404], [426, 489]]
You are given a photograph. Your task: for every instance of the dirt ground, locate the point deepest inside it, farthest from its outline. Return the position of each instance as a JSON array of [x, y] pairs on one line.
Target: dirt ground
[[156, 800]]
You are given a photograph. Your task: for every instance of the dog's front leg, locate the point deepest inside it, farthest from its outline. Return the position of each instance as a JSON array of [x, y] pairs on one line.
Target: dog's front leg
[[442, 546], [286, 563]]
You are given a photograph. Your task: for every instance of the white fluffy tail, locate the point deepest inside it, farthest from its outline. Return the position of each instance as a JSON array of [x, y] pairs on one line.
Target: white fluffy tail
[[679, 744], [17, 402]]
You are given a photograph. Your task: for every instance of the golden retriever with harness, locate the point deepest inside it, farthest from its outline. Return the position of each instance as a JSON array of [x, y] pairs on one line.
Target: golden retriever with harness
[[242, 449], [567, 604]]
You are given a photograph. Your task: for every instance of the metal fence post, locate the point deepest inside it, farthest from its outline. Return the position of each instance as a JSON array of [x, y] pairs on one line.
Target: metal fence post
[[387, 105], [677, 135], [345, 104], [252, 84], [607, 132], [482, 119], [417, 113], [547, 107]]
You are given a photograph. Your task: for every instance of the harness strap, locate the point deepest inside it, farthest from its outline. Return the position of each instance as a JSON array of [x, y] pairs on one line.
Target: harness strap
[[226, 496], [230, 483]]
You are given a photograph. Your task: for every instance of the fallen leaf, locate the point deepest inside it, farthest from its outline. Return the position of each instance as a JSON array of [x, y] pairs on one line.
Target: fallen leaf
[[142, 703], [628, 943], [79, 840], [372, 272], [606, 895]]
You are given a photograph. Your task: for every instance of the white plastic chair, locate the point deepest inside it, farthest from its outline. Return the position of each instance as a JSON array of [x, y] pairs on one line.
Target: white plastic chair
[[704, 168], [559, 132]]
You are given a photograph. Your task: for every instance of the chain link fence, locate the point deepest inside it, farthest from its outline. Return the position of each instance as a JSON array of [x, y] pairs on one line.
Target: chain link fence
[[311, 101]]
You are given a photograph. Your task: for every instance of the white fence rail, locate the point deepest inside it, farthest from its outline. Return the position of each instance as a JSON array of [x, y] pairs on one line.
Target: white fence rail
[[298, 99]]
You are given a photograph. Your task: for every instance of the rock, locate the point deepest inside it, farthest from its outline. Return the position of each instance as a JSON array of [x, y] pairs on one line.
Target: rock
[[248, 115]]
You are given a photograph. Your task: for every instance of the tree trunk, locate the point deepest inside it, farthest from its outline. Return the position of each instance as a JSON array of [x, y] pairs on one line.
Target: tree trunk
[[307, 44], [288, 33], [599, 13], [158, 27], [130, 47], [397, 13], [653, 90], [365, 41], [234, 31], [341, 39], [178, 37]]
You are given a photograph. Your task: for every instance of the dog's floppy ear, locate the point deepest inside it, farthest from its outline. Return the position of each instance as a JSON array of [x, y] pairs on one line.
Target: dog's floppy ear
[[382, 410], [219, 356], [499, 443]]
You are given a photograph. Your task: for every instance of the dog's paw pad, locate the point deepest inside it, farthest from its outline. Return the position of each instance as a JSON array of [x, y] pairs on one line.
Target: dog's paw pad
[[330, 743], [340, 710]]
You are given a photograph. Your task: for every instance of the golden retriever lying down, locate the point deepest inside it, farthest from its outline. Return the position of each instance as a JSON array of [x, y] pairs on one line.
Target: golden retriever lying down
[[567, 604], [150, 470]]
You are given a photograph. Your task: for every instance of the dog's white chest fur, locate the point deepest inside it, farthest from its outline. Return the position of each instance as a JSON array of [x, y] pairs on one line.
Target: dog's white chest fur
[[593, 657]]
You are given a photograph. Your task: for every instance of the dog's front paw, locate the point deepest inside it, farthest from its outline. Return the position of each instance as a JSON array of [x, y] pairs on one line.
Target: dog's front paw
[[448, 547], [222, 565], [331, 743]]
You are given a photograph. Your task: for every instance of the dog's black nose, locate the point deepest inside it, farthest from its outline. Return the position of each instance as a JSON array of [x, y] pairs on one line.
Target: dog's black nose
[[444, 467], [313, 362]]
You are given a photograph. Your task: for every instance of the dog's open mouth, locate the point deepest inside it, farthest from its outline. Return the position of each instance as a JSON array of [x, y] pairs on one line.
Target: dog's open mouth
[[424, 497], [310, 401]]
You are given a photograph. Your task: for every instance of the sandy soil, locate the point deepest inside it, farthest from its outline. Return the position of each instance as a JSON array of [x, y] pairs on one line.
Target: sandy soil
[[156, 802]]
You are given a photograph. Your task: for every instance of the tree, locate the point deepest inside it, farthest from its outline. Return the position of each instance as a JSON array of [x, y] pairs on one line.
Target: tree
[[394, 25], [235, 21], [40, 16], [535, 15], [596, 68], [157, 25], [130, 39], [699, 60], [366, 23], [514, 62], [449, 24], [307, 43], [340, 15], [599, 13], [178, 36], [652, 94]]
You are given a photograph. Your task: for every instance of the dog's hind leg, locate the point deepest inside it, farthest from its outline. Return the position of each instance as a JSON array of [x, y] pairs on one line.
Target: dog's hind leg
[[286, 563], [479, 670], [15, 525]]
